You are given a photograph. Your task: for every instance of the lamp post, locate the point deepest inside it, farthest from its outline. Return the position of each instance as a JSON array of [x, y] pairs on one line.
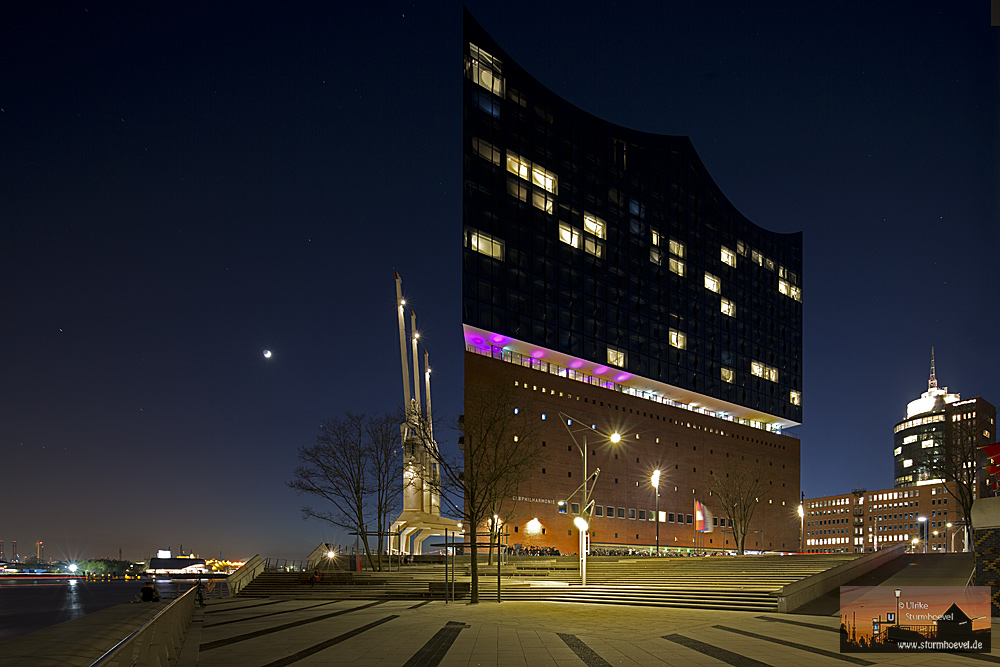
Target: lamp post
[[655, 479], [923, 528], [802, 528], [582, 520], [948, 527], [897, 606]]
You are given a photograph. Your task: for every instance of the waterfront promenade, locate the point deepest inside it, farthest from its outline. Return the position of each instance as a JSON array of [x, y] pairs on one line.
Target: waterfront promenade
[[299, 630], [271, 633], [251, 633]]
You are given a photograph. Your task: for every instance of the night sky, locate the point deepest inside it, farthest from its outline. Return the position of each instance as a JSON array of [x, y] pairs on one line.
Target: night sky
[[183, 188]]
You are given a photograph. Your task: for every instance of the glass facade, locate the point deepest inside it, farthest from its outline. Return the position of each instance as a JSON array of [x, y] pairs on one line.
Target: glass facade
[[615, 247]]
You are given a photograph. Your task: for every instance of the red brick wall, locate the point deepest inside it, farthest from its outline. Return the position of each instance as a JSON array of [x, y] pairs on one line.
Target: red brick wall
[[689, 446]]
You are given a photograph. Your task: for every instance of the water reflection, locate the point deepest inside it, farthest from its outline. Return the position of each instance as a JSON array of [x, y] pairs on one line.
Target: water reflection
[[72, 605]]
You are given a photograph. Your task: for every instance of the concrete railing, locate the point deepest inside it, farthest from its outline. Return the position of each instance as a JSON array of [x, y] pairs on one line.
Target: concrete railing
[[158, 641], [794, 595], [239, 579]]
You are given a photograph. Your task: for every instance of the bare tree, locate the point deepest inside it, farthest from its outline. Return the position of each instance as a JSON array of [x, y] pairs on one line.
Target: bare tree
[[387, 467], [738, 486], [499, 443], [958, 465], [354, 466]]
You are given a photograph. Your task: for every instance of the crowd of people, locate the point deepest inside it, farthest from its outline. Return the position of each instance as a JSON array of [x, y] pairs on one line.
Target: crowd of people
[[518, 550]]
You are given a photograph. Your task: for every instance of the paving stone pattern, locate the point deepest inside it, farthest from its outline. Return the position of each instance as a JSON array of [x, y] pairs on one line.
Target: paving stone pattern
[[249, 633]]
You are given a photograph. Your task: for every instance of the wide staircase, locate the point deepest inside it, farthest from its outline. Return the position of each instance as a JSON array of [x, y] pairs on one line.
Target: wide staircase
[[745, 583]]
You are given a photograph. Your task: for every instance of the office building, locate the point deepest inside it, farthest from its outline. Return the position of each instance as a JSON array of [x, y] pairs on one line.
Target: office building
[[606, 276], [862, 521], [940, 425]]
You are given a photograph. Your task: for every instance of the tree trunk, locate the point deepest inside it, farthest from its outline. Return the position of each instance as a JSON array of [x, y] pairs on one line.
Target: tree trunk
[[474, 568], [368, 551], [381, 542]]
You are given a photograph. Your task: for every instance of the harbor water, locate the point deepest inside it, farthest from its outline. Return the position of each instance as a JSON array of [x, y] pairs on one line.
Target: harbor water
[[28, 604]]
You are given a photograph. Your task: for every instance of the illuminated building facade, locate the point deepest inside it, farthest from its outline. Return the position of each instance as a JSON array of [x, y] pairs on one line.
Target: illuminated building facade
[[606, 273], [935, 422], [868, 521], [862, 521]]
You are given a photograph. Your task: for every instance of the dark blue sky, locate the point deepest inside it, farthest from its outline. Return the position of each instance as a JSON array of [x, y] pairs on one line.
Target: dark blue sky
[[182, 188]]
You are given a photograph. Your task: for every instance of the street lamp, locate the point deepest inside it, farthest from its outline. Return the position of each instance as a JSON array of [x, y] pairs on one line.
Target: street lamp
[[897, 606], [923, 528], [948, 527], [802, 528], [655, 479], [582, 520]]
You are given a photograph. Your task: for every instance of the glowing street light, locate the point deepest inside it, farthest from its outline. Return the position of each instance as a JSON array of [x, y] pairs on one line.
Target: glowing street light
[[582, 520], [923, 528], [655, 480], [802, 528]]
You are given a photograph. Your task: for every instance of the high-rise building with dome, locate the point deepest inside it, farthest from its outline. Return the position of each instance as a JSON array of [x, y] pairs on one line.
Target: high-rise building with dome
[[937, 425]]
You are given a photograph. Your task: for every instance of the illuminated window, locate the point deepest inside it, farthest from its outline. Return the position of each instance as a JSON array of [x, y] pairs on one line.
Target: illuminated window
[[728, 307], [676, 266], [926, 444], [677, 339], [486, 244], [897, 451], [656, 237], [542, 200], [757, 258], [769, 263], [727, 375], [796, 293], [616, 357], [593, 246], [655, 257], [907, 463], [762, 371], [543, 179], [728, 256], [711, 282], [568, 235], [908, 439], [594, 225], [486, 150], [484, 69], [741, 248], [784, 288], [795, 397], [676, 248], [518, 166]]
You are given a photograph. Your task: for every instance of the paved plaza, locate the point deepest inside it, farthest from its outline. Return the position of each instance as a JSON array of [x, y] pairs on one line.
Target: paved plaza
[[272, 633]]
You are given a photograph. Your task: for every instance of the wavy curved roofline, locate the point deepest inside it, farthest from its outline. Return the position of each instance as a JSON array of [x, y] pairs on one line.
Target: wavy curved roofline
[[507, 59]]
